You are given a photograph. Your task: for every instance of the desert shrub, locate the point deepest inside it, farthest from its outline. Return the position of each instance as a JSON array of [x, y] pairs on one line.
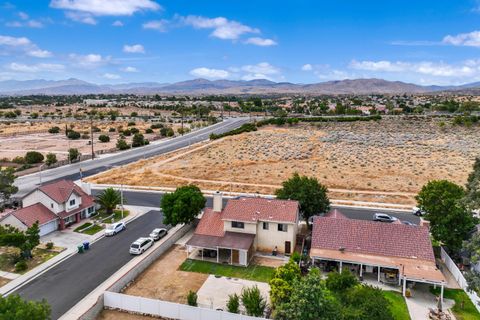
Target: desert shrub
[[96, 129], [247, 127], [233, 304], [73, 154], [138, 140], [192, 298], [51, 159], [122, 144], [32, 157], [73, 135], [131, 123], [156, 126], [85, 136], [18, 160], [134, 130], [127, 132], [104, 138], [166, 132], [21, 266], [112, 130], [54, 130], [149, 130]]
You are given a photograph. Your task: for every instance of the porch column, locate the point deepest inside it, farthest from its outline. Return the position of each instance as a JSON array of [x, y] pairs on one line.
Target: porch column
[[231, 256], [217, 255], [404, 290], [441, 293], [378, 274], [361, 269], [202, 253], [340, 269]]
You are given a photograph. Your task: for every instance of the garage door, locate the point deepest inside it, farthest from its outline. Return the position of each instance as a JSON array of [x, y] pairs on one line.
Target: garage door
[[48, 227]]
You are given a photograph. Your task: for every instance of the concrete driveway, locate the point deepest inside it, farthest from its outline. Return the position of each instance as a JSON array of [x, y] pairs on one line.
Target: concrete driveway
[[66, 238]]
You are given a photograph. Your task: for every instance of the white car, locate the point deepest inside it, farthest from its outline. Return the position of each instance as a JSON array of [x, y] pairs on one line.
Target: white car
[[418, 212], [140, 245], [115, 228], [382, 217], [158, 233]]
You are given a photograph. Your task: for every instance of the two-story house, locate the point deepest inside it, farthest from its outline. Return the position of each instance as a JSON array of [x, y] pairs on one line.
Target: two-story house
[[55, 206], [233, 234]]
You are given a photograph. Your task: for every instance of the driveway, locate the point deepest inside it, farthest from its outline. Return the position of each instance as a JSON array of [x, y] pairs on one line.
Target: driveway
[[66, 239], [67, 283]]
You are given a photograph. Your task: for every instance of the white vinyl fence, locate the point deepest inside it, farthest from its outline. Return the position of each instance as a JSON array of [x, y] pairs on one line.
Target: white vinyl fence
[[457, 274], [166, 309]]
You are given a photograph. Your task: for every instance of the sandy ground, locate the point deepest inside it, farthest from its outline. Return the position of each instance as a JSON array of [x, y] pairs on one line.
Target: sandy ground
[[118, 315], [162, 280], [385, 161], [268, 262]]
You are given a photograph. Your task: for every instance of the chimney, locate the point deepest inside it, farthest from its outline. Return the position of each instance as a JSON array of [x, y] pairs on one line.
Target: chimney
[[217, 201], [424, 223]]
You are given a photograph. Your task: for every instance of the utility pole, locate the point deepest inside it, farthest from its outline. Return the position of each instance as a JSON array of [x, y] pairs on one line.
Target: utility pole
[[91, 136]]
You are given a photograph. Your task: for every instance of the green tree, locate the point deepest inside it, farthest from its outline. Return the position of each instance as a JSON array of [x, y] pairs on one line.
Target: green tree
[[54, 130], [282, 281], [32, 239], [51, 159], [310, 300], [472, 196], [13, 307], [122, 144], [73, 135], [233, 304], [7, 178], [341, 282], [450, 221], [183, 205], [73, 154], [472, 248], [109, 199], [366, 303], [138, 140], [253, 301], [32, 157], [192, 298], [310, 193], [103, 138]]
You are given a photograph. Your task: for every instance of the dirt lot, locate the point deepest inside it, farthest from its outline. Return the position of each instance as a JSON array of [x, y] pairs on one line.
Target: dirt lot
[[162, 280], [384, 161], [118, 315]]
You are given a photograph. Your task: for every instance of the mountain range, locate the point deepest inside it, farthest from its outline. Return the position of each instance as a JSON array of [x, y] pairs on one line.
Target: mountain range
[[241, 87]]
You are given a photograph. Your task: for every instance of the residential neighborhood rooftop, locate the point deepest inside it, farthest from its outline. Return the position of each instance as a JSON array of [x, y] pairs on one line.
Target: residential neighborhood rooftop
[[36, 212], [261, 209]]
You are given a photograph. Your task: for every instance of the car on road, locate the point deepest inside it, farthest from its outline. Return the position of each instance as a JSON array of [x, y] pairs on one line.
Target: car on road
[[140, 245], [418, 212], [383, 217], [408, 223], [115, 228], [158, 233]]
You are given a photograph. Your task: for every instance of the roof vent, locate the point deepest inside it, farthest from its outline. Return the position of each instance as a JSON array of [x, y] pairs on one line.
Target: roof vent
[[341, 249]]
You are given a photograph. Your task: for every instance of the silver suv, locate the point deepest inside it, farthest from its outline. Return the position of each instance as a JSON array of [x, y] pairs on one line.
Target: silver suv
[[383, 217]]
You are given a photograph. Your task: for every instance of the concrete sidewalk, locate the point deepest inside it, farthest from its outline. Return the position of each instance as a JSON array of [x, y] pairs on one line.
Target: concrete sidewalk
[[9, 275]]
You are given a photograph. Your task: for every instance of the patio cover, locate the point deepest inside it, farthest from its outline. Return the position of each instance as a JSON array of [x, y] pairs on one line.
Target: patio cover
[[230, 240]]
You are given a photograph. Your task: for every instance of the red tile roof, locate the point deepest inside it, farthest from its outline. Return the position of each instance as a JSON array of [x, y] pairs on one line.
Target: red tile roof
[[87, 201], [255, 209], [335, 213], [211, 224], [36, 212], [61, 190], [369, 237]]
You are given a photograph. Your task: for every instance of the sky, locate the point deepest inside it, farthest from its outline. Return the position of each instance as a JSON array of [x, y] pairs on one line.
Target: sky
[[119, 41]]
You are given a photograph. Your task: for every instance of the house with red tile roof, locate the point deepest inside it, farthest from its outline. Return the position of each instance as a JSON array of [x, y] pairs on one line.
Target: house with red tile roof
[[390, 252], [55, 206], [233, 234]]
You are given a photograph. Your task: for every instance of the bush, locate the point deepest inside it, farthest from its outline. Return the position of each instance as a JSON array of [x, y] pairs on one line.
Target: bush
[[166, 132], [296, 257], [85, 136], [192, 298], [253, 301], [104, 138], [156, 126], [73, 135], [134, 114], [233, 304], [247, 127], [18, 160], [54, 130], [112, 130], [122, 144], [49, 245], [149, 130], [341, 282], [134, 130], [96, 129], [51, 159], [131, 123], [32, 157], [73, 154], [21, 266], [138, 140], [127, 132]]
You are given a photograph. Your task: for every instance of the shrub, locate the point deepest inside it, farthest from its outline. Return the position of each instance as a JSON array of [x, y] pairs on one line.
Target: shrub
[[51, 159], [21, 266], [247, 127], [85, 136], [131, 123], [122, 144], [134, 130], [341, 282], [149, 130], [166, 132], [296, 257], [138, 140], [112, 130], [73, 154], [96, 129], [192, 298], [32, 157], [54, 130], [73, 135], [127, 132], [156, 126], [49, 245], [19, 160], [104, 138], [134, 114], [253, 301], [233, 304]]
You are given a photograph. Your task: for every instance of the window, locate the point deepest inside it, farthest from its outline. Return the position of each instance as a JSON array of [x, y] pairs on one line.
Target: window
[[282, 227], [51, 205], [72, 202], [237, 224], [265, 226]]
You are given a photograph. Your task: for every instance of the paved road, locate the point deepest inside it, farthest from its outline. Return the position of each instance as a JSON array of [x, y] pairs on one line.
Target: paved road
[[90, 167], [67, 283], [152, 199]]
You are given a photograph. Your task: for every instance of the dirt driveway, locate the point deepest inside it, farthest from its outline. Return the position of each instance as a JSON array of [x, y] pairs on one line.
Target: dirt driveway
[[162, 280]]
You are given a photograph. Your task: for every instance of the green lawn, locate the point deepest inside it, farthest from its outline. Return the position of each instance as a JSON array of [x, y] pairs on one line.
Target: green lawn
[[398, 306], [468, 312], [83, 226], [117, 217], [89, 231], [252, 272]]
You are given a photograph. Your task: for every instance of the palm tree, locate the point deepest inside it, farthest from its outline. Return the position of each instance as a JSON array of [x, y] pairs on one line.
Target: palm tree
[[109, 199]]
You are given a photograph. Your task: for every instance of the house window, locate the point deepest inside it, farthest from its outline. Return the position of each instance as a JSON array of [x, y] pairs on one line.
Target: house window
[[237, 224], [282, 227], [90, 210], [72, 202], [265, 226]]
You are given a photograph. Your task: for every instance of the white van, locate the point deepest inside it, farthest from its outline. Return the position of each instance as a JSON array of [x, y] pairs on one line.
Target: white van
[[140, 245]]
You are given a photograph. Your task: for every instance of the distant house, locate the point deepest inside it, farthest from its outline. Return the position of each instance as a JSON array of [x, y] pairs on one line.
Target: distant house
[[233, 234], [55, 206], [389, 252]]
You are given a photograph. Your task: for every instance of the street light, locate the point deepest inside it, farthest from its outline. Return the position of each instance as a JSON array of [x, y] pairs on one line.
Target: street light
[[40, 173]]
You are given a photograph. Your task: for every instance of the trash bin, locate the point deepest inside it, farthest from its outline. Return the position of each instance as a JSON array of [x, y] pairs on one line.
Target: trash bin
[[80, 249], [86, 245]]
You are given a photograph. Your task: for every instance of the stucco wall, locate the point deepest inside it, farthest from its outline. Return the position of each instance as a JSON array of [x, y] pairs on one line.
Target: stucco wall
[[248, 227], [268, 239], [38, 196], [14, 222]]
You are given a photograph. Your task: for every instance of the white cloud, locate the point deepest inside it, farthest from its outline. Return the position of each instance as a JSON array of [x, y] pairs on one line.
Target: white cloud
[[262, 70], [261, 42], [28, 24], [81, 17], [23, 15], [117, 23], [14, 42], [106, 7], [210, 73], [159, 25], [24, 45], [135, 48], [471, 39], [89, 60], [34, 68], [129, 69], [307, 67], [111, 76], [222, 28], [39, 53]]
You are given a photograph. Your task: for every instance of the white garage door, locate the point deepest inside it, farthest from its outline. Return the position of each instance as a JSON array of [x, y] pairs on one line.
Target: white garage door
[[48, 227]]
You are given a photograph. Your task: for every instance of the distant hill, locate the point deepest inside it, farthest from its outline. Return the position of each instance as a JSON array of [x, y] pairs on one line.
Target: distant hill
[[204, 86]]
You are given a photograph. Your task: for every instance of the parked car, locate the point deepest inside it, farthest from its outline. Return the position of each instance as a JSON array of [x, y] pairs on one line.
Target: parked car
[[140, 245], [158, 233], [382, 217], [408, 223], [418, 212], [115, 228]]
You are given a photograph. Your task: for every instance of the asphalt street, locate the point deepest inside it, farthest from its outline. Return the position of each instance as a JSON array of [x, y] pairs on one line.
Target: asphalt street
[[152, 199], [68, 282], [27, 183]]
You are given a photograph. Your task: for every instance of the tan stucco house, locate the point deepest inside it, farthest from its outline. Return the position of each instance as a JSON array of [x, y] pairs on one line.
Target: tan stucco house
[[233, 234]]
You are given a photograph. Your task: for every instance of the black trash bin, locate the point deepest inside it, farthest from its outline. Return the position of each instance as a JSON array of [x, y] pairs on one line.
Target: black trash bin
[[86, 245]]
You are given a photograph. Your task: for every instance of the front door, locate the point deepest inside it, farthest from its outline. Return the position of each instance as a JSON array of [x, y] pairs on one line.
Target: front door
[[235, 257], [287, 247]]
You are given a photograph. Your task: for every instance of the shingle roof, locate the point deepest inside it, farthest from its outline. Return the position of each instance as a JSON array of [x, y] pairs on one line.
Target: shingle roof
[[211, 224], [378, 238], [61, 190], [36, 212], [254, 209]]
